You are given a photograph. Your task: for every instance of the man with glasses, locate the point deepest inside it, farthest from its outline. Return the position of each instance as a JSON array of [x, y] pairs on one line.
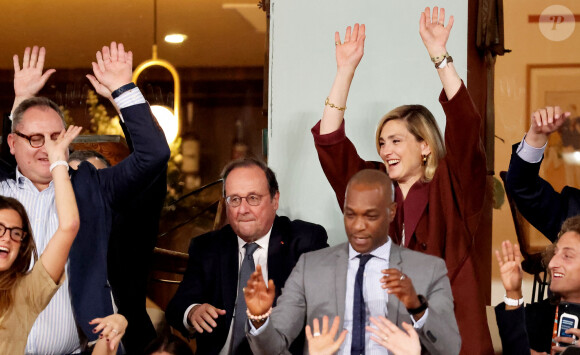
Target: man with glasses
[[209, 303], [63, 327]]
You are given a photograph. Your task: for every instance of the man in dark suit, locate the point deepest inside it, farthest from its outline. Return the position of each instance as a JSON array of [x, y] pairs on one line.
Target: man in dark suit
[[367, 277], [86, 293], [535, 198], [207, 297]]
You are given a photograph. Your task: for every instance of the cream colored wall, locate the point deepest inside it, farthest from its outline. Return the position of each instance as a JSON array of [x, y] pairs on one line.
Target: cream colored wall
[[528, 46]]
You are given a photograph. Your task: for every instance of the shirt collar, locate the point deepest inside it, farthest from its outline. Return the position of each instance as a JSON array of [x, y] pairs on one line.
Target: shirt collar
[[262, 241], [23, 181], [381, 252]]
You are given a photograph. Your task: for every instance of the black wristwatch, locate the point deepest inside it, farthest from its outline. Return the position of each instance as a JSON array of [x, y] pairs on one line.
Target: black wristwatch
[[123, 89], [421, 308]]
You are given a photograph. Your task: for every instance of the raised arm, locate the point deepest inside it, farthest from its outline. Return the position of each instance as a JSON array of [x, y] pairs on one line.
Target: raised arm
[[150, 152], [510, 266], [56, 253], [435, 34], [348, 55], [29, 79], [545, 121]]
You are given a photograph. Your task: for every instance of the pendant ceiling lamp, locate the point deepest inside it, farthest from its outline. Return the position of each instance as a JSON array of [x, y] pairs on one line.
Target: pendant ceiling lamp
[[168, 118]]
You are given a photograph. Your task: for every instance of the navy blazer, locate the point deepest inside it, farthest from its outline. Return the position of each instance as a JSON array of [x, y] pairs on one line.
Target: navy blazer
[[213, 267], [536, 199]]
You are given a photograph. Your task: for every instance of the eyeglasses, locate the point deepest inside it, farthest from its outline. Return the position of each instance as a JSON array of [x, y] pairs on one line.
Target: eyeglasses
[[252, 200], [37, 140], [17, 234]]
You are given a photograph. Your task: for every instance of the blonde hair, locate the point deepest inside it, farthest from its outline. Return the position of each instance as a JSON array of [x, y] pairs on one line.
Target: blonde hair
[[422, 125]]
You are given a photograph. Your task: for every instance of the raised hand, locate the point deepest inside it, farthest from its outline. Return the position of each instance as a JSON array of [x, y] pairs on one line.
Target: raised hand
[[397, 341], [202, 317], [259, 298], [510, 266], [113, 69], [400, 285], [433, 31], [58, 149], [545, 121], [321, 342], [29, 79], [112, 329], [351, 50]]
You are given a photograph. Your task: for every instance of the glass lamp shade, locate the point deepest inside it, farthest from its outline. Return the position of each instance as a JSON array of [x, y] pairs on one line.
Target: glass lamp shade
[[167, 121]]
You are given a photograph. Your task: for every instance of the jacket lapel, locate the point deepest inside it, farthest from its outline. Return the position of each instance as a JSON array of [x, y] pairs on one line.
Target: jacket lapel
[[340, 270], [276, 251], [229, 262], [395, 261]]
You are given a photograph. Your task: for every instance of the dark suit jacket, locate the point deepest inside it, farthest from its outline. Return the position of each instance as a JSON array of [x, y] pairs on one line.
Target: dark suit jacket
[[212, 273], [133, 237], [535, 198], [526, 328], [441, 217]]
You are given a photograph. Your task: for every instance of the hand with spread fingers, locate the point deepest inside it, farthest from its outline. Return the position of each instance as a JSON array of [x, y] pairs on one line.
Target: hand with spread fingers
[[202, 317], [322, 342], [259, 297], [113, 69], [510, 266], [58, 149], [545, 121], [29, 79], [350, 51], [112, 329], [433, 31], [398, 284], [397, 341]]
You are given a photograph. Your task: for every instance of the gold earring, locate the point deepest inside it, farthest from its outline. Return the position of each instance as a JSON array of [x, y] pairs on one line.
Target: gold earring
[[424, 160]]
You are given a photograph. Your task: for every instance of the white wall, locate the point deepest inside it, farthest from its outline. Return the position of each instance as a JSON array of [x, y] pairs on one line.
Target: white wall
[[395, 70]]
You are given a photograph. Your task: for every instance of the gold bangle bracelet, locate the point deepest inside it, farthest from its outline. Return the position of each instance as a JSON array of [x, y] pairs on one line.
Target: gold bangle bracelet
[[328, 103]]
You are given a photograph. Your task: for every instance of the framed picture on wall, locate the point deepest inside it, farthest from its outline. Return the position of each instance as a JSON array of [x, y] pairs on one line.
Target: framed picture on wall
[[557, 85]]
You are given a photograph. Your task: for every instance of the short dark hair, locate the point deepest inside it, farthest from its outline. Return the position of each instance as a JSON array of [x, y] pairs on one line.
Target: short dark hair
[[372, 177], [248, 162], [82, 155], [36, 101]]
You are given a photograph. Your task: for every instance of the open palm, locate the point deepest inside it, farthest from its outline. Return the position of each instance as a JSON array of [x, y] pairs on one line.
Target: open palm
[[350, 51]]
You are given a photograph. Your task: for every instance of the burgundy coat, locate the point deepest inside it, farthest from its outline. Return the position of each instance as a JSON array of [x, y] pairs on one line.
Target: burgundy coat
[[442, 216]]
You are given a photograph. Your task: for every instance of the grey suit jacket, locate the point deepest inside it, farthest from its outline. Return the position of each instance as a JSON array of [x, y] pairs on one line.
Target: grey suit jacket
[[317, 287]]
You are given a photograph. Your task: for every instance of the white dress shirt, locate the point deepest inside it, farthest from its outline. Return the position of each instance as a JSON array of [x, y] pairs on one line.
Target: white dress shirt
[[530, 154]]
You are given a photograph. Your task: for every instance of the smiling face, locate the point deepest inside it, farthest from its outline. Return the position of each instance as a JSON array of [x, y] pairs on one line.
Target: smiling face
[[402, 152], [250, 222], [9, 249], [565, 267], [33, 162], [368, 212]]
